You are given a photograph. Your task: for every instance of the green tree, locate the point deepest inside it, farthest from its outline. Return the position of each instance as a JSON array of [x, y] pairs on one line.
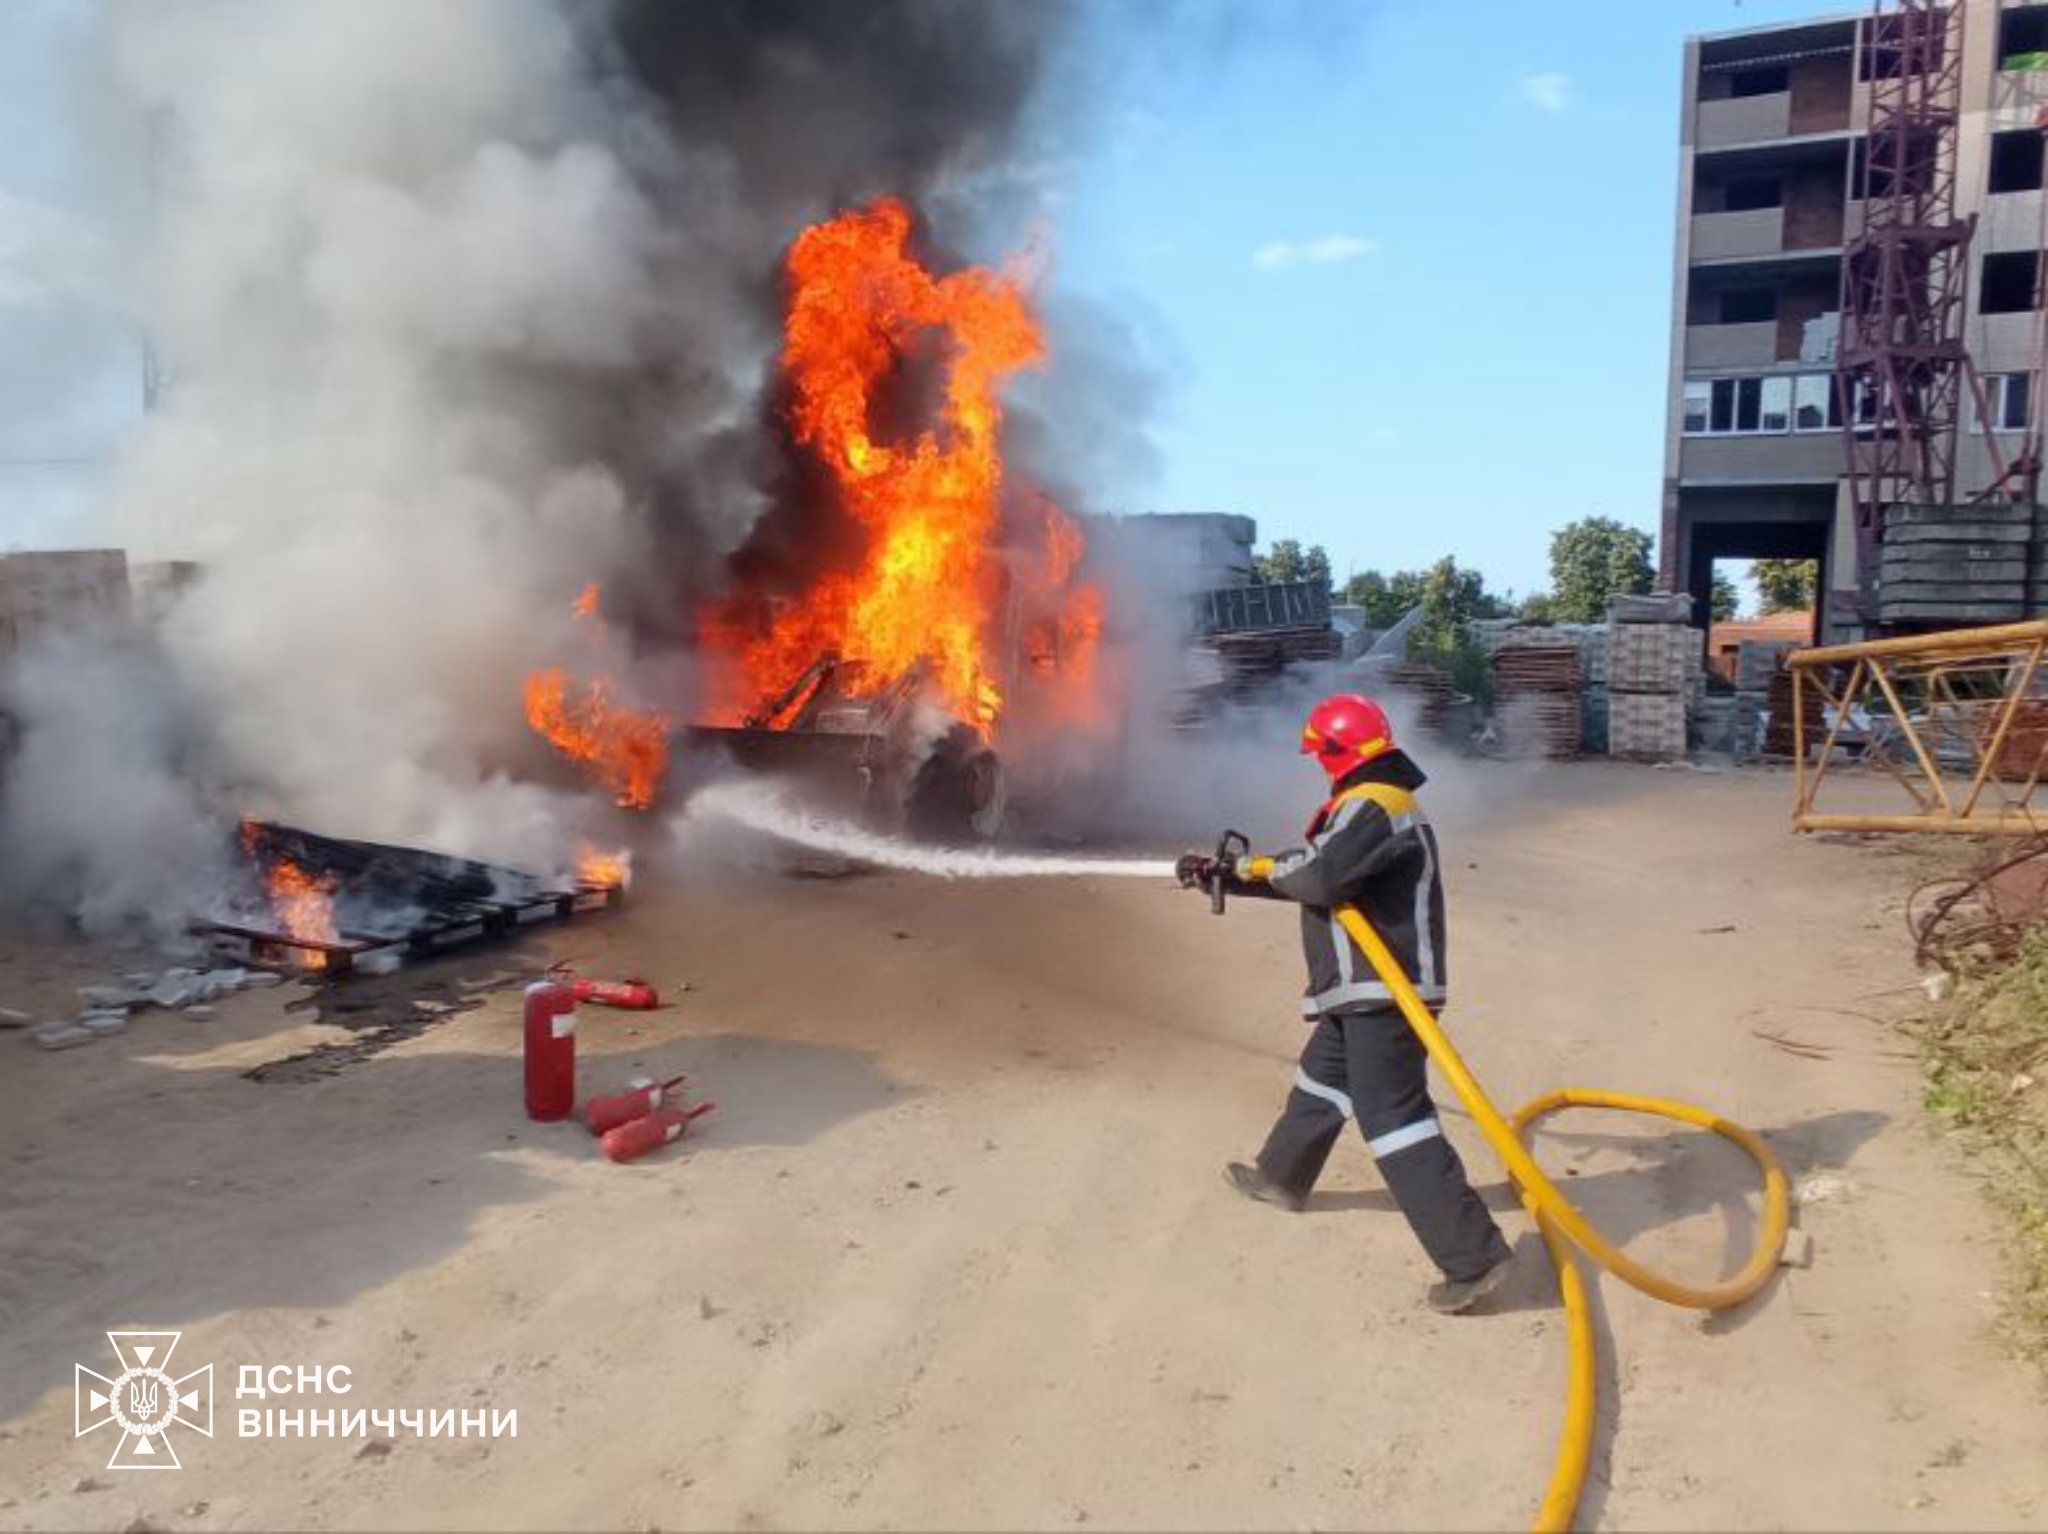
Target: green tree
[[1453, 596], [1536, 607], [1282, 563], [1726, 600], [1450, 599], [1593, 561], [1786, 585], [1315, 566], [1385, 601]]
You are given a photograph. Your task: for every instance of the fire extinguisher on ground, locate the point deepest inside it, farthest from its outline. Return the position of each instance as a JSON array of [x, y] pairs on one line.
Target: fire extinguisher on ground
[[651, 1131], [604, 1114], [550, 1050], [632, 995]]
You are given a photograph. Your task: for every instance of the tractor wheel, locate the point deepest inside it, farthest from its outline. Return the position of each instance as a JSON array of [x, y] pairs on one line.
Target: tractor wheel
[[959, 794]]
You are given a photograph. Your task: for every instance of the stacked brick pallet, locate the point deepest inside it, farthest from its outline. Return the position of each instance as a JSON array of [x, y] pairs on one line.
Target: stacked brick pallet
[[1957, 565], [1536, 698], [1652, 656]]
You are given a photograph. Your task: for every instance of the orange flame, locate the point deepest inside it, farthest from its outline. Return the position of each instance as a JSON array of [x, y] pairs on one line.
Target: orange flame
[[927, 586], [302, 903], [624, 749], [606, 870]]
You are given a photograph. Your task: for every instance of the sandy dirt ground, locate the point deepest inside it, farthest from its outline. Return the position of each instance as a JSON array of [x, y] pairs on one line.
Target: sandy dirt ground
[[954, 1252]]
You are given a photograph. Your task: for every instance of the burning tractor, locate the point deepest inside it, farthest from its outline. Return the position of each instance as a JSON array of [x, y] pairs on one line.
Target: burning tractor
[[890, 755], [954, 613]]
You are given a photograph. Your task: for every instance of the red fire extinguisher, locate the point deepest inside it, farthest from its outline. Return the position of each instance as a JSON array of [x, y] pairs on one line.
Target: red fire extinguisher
[[550, 1050], [634, 995], [651, 1131], [604, 1114]]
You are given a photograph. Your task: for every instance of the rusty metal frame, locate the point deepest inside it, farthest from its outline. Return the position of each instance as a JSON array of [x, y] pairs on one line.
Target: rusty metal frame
[[1947, 704], [1903, 370]]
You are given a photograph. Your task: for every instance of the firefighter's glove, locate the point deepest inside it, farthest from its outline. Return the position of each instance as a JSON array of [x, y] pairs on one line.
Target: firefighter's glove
[[1195, 871]]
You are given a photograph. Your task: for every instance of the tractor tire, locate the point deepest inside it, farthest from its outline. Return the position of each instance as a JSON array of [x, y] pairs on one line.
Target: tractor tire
[[959, 794]]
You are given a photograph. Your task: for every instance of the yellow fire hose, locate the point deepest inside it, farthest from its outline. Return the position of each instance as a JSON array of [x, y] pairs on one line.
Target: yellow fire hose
[[1560, 1223]]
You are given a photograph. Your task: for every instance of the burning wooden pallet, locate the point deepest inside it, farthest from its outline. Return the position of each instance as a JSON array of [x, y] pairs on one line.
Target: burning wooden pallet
[[322, 905]]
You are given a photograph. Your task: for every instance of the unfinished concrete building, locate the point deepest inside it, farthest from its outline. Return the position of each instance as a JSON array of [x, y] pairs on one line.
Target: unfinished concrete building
[[1776, 139]]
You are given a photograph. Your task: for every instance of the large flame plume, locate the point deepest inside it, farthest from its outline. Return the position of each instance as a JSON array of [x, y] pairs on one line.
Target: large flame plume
[[930, 588]]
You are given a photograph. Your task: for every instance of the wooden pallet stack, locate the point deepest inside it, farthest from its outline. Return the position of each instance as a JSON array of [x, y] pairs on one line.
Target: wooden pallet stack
[[1536, 699], [1253, 661], [1427, 689], [1779, 737], [1757, 662]]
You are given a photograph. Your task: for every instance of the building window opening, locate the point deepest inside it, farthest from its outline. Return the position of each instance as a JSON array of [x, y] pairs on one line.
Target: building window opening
[[1749, 397], [2006, 397], [1775, 408], [1748, 193], [1768, 405], [2016, 161], [2023, 38], [2009, 281], [1763, 80], [1816, 403], [1749, 306], [1699, 396]]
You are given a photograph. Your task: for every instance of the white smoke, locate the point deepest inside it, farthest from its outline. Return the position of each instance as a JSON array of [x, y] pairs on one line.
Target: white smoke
[[401, 267]]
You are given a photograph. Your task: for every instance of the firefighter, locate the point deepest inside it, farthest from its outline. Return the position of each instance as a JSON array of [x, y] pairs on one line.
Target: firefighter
[[1369, 845]]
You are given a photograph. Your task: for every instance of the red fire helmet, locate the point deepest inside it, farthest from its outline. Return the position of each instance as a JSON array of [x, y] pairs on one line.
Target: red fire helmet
[[1345, 730]]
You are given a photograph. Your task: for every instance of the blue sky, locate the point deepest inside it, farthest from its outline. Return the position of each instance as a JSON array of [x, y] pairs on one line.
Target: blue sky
[[1456, 338], [1404, 271]]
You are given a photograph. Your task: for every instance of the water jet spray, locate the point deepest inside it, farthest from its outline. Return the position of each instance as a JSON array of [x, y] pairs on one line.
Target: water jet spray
[[772, 810]]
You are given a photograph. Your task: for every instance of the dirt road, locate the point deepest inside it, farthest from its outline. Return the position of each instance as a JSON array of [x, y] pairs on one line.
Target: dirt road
[[955, 1253]]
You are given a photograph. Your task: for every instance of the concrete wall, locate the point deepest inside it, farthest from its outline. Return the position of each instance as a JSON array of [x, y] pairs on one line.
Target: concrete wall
[[1751, 232], [1742, 120], [1802, 456], [1731, 347]]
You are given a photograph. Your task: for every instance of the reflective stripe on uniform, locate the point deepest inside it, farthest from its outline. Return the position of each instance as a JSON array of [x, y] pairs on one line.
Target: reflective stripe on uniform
[[1304, 1082], [1425, 935], [1408, 1134], [1365, 990]]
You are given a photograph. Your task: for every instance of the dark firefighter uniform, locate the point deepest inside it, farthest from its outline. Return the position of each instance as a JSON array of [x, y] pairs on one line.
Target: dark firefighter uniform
[[1371, 846]]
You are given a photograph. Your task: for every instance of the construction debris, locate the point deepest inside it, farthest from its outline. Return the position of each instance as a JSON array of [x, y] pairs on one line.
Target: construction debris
[[109, 1008]]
